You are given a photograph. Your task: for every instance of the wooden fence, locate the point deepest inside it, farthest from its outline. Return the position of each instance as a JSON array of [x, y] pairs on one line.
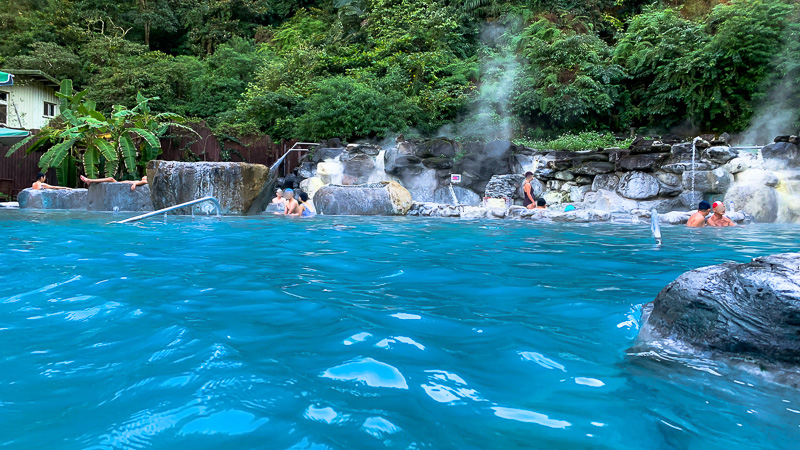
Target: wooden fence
[[22, 169]]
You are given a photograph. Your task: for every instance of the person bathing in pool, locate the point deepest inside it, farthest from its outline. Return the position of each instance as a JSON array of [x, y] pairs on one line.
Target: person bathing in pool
[[40, 184], [718, 219], [698, 219], [290, 205], [304, 206], [133, 183]]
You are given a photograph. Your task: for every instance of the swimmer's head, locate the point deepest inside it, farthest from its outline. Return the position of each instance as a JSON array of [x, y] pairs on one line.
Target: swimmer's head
[[541, 202], [528, 175], [279, 192], [288, 193], [39, 176], [719, 207], [303, 197], [704, 206]]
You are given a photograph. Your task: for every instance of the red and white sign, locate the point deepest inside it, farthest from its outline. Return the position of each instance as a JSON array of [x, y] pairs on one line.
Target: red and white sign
[[455, 178]]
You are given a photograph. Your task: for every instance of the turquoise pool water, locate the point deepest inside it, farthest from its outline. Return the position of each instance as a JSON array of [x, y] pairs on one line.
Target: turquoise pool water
[[362, 333]]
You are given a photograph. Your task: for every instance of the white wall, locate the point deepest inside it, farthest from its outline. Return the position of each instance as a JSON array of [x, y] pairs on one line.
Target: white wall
[[26, 104]]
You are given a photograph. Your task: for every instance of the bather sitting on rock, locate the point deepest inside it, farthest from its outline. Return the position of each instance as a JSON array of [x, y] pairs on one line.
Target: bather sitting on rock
[[541, 203], [698, 219], [40, 184], [290, 206], [719, 219], [91, 181], [527, 197], [278, 197]]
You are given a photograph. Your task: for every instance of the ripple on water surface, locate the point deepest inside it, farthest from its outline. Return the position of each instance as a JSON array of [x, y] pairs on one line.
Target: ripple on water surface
[[361, 333]]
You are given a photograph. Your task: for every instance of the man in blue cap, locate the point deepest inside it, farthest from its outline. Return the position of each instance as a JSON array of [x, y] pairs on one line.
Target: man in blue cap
[[698, 219]]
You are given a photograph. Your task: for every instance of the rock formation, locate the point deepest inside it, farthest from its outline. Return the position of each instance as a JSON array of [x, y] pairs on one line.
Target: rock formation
[[52, 198], [119, 197], [385, 198], [241, 188], [750, 310]]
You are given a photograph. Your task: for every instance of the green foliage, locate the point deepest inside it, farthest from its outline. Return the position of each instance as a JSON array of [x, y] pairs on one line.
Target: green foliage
[[484, 68], [570, 80], [582, 141], [84, 139]]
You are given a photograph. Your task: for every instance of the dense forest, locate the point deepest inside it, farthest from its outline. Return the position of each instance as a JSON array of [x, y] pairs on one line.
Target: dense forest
[[369, 68]]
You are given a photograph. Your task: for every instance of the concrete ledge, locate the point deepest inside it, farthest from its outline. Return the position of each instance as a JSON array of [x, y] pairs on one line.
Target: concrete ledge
[[53, 198], [107, 196]]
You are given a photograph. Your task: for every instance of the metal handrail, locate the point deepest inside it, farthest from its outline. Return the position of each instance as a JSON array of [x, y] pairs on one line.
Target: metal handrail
[[172, 208], [277, 163]]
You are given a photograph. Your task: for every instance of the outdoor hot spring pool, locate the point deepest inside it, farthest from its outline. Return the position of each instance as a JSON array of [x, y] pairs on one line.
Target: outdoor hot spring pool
[[344, 332]]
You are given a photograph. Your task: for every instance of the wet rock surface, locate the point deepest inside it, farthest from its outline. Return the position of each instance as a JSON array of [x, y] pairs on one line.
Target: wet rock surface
[[385, 198], [53, 198], [241, 188], [119, 197], [744, 310]]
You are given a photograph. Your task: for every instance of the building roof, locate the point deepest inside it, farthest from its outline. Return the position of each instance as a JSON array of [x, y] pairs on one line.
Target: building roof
[[37, 75]]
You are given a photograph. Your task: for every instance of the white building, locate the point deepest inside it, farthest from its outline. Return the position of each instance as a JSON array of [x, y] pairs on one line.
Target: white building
[[31, 102]]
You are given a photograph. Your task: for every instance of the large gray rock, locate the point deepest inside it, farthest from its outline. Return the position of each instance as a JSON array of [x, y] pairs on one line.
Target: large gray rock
[[478, 167], [669, 184], [119, 197], [691, 199], [437, 148], [464, 196], [52, 198], [750, 310], [782, 150], [241, 188], [607, 181], [761, 202], [358, 166], [385, 198], [576, 193], [504, 186], [642, 161], [719, 154], [715, 181], [638, 186]]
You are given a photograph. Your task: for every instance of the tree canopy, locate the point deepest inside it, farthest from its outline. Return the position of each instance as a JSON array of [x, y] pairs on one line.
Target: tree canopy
[[316, 69]]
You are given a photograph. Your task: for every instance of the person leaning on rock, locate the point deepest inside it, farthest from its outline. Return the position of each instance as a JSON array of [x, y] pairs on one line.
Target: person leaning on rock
[[40, 184], [527, 196], [698, 219], [719, 219]]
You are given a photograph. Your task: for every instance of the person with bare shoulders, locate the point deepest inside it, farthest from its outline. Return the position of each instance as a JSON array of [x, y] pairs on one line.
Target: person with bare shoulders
[[698, 219], [718, 219], [527, 195], [40, 184], [290, 206], [278, 197], [91, 181]]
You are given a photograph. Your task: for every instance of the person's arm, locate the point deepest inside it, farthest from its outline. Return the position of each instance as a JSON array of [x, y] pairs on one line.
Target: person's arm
[[298, 211], [47, 186]]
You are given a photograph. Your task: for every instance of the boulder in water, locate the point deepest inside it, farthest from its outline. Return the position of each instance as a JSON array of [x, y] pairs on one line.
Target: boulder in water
[[750, 309], [761, 202], [715, 181], [506, 186], [52, 198], [108, 196], [384, 198], [241, 188]]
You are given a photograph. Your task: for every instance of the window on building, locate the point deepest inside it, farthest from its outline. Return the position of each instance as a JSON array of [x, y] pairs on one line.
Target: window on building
[[49, 109], [3, 108]]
